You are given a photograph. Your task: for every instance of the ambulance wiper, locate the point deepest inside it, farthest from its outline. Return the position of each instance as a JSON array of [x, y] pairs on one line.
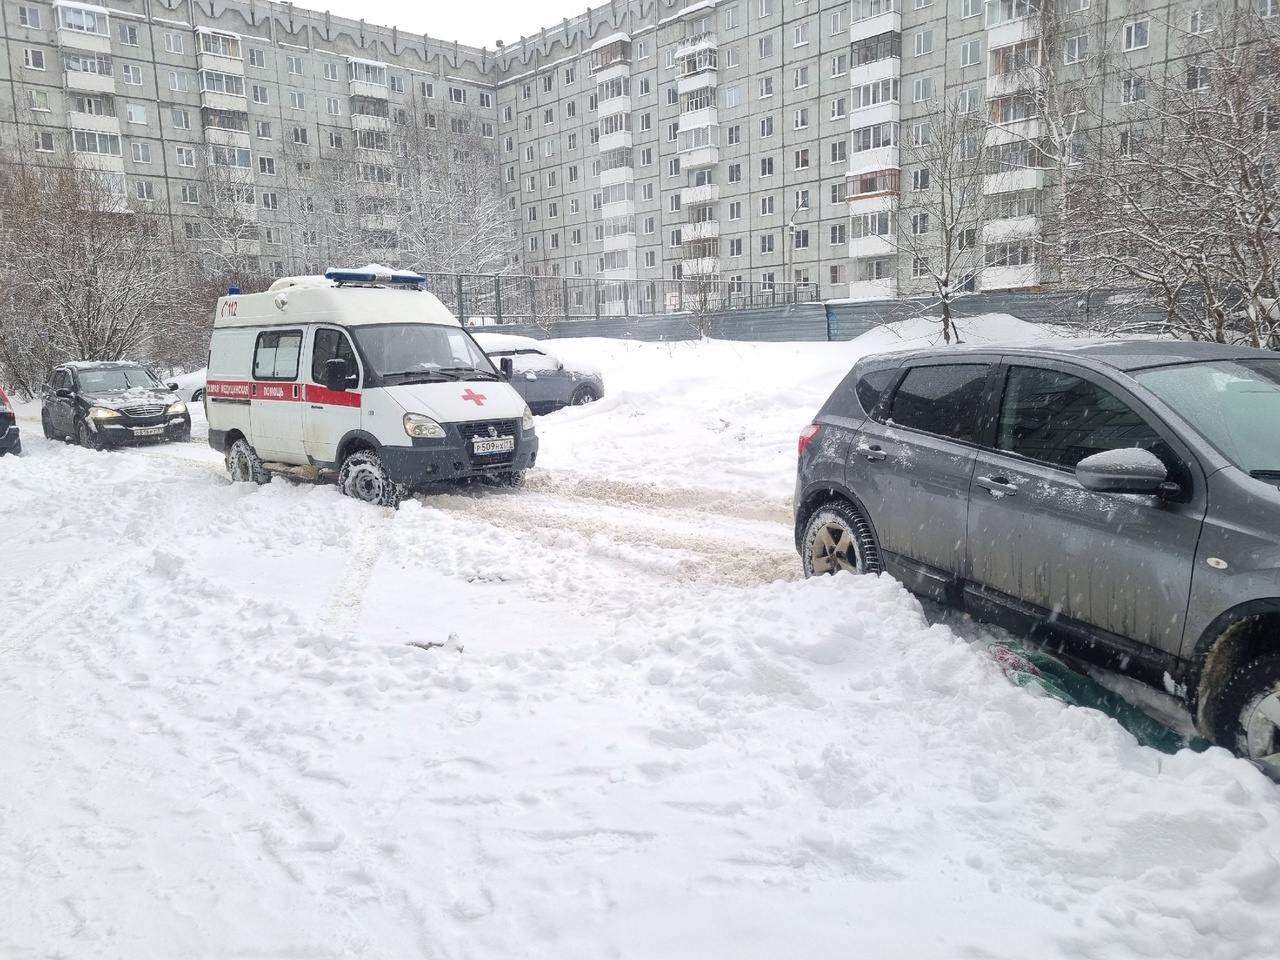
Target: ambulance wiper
[[470, 373], [423, 376]]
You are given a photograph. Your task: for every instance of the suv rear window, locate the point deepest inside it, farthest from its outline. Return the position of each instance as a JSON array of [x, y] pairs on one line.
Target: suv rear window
[[942, 399], [871, 387]]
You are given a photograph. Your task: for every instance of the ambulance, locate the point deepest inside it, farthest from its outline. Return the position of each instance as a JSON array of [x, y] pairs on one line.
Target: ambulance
[[363, 377]]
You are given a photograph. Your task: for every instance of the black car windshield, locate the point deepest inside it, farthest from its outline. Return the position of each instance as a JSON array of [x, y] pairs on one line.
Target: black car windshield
[[1234, 404], [112, 379], [427, 350]]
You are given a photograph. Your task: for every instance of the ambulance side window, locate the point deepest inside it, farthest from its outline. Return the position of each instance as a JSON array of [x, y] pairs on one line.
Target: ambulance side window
[[332, 345], [275, 356]]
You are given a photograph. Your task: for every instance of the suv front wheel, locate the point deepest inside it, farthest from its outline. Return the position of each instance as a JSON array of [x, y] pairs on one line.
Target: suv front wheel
[[837, 537], [1248, 713]]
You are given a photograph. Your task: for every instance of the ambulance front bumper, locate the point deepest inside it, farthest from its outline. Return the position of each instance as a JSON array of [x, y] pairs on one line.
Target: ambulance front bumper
[[435, 461]]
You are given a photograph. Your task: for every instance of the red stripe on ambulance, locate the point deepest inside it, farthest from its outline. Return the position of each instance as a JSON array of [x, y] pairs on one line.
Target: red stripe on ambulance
[[280, 392]]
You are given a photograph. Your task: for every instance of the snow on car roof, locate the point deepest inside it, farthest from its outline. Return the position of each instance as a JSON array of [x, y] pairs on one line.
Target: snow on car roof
[[101, 364]]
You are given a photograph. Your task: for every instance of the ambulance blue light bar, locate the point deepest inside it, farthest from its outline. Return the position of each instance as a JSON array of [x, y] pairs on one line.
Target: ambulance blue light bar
[[378, 277]]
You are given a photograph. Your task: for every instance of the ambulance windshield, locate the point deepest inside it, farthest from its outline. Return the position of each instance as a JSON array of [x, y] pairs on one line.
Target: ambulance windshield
[[422, 351]]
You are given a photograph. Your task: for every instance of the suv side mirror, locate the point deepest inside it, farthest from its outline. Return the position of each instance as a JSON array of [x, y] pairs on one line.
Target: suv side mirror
[[171, 385], [63, 392], [1122, 471], [507, 367], [335, 374]]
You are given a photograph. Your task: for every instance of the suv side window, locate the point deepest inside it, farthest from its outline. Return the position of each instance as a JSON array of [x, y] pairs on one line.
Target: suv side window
[[61, 380], [1060, 419], [275, 355], [942, 399], [331, 345]]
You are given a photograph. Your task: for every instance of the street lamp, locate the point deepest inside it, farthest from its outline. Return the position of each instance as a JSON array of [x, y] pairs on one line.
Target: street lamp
[[787, 253]]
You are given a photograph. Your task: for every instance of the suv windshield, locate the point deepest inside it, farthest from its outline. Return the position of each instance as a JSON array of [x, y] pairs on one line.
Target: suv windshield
[[425, 351], [108, 379], [1234, 404]]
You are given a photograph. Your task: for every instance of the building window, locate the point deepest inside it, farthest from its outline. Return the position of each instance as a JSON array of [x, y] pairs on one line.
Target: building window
[[260, 94], [297, 100], [135, 113], [1197, 77], [1137, 34], [38, 100], [267, 166], [188, 193], [923, 43], [333, 106], [1133, 90], [33, 59], [1076, 48], [257, 57], [29, 17], [44, 141], [921, 89], [185, 156], [143, 190], [970, 53], [295, 65], [128, 34]]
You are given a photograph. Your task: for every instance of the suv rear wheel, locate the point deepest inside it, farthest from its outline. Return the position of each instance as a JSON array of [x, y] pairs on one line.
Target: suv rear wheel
[[1248, 713], [837, 537], [364, 477]]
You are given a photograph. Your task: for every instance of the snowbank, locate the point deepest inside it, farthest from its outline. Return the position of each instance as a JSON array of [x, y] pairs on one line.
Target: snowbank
[[574, 721]]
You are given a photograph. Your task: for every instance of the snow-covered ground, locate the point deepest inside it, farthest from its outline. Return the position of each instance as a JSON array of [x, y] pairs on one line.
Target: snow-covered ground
[[601, 717]]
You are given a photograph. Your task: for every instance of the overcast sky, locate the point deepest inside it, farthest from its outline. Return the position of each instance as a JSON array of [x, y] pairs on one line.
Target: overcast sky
[[477, 23]]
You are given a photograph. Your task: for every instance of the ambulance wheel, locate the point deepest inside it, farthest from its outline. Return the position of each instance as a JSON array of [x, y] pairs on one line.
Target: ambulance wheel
[[244, 465], [364, 477], [513, 478]]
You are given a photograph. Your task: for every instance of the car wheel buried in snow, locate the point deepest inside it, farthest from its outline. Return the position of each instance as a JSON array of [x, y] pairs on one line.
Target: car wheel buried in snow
[[838, 538], [244, 465], [364, 477]]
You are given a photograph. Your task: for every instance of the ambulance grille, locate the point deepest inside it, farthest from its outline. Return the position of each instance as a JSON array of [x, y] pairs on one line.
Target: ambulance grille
[[480, 428]]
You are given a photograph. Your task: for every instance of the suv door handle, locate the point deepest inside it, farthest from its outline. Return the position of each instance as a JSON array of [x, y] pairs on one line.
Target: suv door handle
[[998, 486], [872, 452]]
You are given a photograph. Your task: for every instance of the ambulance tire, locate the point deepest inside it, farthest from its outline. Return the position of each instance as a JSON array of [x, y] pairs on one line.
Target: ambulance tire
[[244, 465], [364, 477]]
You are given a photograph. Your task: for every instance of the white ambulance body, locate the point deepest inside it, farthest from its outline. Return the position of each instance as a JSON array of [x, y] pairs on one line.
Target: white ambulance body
[[363, 375]]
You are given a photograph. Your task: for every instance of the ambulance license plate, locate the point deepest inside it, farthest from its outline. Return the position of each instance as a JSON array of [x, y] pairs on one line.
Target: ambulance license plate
[[147, 431], [495, 445]]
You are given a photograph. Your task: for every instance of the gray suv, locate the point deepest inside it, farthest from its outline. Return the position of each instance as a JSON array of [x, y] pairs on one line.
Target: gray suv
[[1120, 499]]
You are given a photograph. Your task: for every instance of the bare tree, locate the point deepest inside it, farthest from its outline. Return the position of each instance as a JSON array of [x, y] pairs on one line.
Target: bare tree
[[1183, 202], [940, 219], [83, 276]]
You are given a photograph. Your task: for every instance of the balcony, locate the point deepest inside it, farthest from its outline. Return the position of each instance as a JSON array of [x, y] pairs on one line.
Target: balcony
[[618, 140], [1015, 131], [888, 112], [877, 158], [1010, 228], [696, 81], [871, 245], [885, 289], [216, 100], [98, 162], [1015, 180], [619, 208], [706, 117], [1012, 31], [83, 82], [363, 121], [227, 138], [615, 71], [872, 190], [691, 45], [1003, 84], [220, 52], [890, 21], [619, 241], [618, 104], [704, 193], [1009, 278], [617, 175], [379, 221], [887, 68], [700, 267], [83, 26], [699, 157], [703, 230], [99, 123]]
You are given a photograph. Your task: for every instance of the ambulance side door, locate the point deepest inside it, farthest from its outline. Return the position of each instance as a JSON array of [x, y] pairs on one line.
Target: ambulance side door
[[328, 415], [275, 395]]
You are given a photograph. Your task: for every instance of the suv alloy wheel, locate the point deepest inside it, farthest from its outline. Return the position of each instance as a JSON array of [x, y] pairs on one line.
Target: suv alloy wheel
[[837, 537]]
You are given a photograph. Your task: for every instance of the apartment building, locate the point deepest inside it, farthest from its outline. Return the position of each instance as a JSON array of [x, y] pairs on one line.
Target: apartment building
[[727, 140]]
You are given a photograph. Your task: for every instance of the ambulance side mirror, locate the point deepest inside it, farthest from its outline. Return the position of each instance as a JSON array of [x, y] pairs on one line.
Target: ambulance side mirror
[[335, 374], [507, 367]]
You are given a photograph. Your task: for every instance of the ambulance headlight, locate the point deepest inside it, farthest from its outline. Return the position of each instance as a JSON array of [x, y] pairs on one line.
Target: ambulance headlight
[[176, 409], [527, 420], [424, 428], [103, 413]]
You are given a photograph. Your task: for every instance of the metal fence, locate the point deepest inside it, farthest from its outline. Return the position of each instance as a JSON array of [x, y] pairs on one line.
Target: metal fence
[[500, 299]]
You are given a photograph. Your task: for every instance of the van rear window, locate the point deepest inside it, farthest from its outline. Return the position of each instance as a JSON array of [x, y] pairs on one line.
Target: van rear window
[[275, 356]]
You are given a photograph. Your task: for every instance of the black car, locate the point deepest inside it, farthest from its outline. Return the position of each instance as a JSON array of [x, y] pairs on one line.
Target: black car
[[9, 441], [105, 404]]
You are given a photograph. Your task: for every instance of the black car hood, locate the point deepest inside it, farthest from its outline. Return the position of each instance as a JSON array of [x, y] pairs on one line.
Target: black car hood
[[115, 399]]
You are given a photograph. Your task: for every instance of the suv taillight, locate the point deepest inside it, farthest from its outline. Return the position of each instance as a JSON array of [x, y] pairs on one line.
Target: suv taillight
[[4, 403], [806, 436]]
